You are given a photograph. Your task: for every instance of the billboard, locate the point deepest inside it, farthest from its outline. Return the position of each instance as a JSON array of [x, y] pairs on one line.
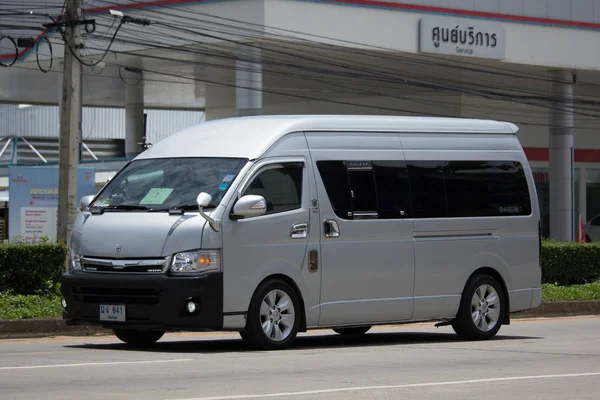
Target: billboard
[[33, 204]]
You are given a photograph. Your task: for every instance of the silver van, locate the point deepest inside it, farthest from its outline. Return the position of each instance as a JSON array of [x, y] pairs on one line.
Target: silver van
[[274, 225]]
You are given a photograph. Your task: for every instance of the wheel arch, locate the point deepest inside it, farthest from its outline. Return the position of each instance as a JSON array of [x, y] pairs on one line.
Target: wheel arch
[[498, 277], [295, 287]]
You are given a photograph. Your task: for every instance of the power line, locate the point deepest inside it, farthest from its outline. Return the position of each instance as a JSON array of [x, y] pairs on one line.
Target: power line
[[369, 76], [511, 95], [261, 29], [435, 85]]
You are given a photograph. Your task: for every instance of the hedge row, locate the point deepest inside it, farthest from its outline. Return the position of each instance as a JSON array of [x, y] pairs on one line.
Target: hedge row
[[570, 263], [30, 269]]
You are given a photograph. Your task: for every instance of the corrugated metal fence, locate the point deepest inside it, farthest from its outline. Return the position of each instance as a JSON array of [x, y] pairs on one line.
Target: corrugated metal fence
[[97, 122]]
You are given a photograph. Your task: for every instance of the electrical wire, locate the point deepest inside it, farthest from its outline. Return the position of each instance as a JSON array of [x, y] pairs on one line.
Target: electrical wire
[[258, 29], [462, 90], [372, 75], [188, 11], [37, 54], [123, 79], [194, 81], [16, 57], [74, 53], [159, 58]]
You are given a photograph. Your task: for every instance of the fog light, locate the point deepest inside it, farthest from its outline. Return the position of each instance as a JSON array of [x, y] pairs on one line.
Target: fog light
[[191, 307], [64, 303]]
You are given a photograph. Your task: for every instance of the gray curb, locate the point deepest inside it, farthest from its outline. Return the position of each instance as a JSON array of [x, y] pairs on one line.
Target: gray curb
[[561, 309], [30, 328]]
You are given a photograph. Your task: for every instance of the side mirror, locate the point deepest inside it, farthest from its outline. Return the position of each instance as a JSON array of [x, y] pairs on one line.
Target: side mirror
[[203, 200], [250, 206], [85, 202]]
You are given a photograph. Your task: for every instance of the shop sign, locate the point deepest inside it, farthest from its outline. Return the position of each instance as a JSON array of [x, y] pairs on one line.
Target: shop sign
[[462, 37], [33, 206]]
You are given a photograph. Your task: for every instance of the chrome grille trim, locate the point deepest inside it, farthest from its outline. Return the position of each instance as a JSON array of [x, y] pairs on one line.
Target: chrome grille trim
[[126, 266]]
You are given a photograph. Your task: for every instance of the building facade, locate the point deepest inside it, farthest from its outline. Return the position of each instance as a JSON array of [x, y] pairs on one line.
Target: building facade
[[532, 62]]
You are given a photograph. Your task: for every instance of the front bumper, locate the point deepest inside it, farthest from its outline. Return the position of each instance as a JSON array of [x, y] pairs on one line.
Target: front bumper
[[152, 301]]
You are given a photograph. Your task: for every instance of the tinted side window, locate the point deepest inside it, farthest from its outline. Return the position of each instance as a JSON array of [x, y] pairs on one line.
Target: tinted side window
[[367, 189], [393, 193], [335, 179], [467, 185], [362, 189], [427, 189], [486, 188], [281, 188]]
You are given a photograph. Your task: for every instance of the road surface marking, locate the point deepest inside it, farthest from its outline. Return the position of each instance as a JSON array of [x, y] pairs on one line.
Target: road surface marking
[[387, 387], [95, 364]]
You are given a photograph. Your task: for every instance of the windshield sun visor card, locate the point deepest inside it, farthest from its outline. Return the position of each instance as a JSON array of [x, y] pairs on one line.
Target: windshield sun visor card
[[156, 196]]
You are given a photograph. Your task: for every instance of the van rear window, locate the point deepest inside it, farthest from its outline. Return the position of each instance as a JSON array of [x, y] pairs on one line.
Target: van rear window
[[425, 189]]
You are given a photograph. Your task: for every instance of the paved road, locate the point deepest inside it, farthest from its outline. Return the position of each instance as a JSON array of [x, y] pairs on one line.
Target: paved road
[[535, 359]]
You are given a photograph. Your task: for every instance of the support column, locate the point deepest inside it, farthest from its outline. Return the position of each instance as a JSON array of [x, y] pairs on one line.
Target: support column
[[134, 119], [560, 120], [248, 81]]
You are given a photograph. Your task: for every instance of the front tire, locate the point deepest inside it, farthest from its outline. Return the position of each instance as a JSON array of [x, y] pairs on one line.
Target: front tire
[[482, 309], [138, 338], [273, 317], [357, 331]]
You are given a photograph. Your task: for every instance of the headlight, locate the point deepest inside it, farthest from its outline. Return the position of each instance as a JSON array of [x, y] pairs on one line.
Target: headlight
[[196, 262], [73, 261]]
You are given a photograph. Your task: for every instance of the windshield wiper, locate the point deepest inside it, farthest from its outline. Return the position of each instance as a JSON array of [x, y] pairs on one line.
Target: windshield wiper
[[177, 210], [124, 207]]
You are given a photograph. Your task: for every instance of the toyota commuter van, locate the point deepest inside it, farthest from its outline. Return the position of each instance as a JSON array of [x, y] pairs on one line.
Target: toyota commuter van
[[274, 225]]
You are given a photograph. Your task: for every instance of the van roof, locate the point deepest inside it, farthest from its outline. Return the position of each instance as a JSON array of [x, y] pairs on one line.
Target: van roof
[[250, 137]]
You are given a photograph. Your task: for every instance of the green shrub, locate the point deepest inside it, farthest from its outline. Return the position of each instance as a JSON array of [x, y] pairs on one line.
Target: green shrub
[[36, 268], [34, 306], [31, 268], [570, 263]]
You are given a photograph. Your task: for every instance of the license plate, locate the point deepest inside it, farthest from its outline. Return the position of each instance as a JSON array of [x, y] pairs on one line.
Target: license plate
[[112, 312]]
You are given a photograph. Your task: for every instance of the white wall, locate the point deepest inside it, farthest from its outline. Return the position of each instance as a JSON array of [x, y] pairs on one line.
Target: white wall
[[398, 30], [375, 106]]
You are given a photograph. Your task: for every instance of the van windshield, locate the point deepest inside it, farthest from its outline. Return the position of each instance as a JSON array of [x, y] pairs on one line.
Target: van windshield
[[168, 183]]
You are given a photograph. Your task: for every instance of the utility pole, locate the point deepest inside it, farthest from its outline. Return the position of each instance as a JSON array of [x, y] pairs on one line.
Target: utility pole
[[70, 121]]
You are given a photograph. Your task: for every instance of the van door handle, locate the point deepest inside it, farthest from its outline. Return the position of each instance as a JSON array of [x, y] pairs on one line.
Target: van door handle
[[299, 231], [332, 229]]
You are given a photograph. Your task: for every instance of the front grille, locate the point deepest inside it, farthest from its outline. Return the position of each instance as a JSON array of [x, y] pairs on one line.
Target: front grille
[[125, 266], [136, 269], [116, 296]]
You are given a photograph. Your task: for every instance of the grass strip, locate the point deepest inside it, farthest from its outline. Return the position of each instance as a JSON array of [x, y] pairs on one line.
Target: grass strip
[[48, 306]]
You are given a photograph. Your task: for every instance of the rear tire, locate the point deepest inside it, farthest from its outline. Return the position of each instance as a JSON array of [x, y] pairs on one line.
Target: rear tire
[[138, 338], [357, 331], [274, 316], [482, 309]]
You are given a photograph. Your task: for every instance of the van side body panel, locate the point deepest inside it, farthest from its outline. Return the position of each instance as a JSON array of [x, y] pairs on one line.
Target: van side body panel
[[259, 247], [368, 271], [449, 250]]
